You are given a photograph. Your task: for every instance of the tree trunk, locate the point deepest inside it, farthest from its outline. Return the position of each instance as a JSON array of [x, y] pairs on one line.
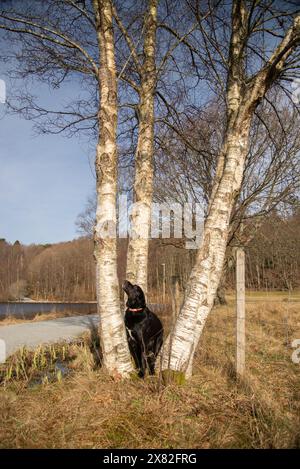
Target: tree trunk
[[220, 299], [242, 99], [137, 254], [115, 351], [205, 276]]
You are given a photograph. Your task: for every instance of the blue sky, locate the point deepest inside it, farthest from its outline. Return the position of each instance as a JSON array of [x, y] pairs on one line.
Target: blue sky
[[44, 179]]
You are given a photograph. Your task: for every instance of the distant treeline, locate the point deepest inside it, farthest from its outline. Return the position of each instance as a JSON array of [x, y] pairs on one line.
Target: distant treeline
[[66, 271]]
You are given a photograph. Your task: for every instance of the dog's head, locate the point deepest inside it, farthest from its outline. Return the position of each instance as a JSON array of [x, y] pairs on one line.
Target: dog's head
[[136, 297]]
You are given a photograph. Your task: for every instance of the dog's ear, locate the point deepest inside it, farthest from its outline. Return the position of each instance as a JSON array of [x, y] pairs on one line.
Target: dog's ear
[[126, 285], [141, 290]]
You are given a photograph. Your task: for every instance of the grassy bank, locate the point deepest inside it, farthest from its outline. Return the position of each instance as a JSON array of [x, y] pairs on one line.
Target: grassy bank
[[88, 409]]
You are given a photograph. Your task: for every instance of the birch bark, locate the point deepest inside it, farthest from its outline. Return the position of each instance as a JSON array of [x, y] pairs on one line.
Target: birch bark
[[115, 351], [242, 99], [137, 254]]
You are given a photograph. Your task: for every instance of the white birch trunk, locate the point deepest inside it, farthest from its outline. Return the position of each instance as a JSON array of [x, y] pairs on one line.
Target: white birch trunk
[[205, 276], [137, 254], [218, 240], [115, 351]]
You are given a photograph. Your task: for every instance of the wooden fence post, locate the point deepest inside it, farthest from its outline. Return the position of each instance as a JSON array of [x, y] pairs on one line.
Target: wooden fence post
[[240, 312], [175, 297]]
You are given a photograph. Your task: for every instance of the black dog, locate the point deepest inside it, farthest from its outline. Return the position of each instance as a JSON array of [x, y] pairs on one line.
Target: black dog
[[144, 330]]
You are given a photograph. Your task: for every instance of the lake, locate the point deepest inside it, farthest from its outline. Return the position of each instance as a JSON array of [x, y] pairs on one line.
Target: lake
[[28, 310]]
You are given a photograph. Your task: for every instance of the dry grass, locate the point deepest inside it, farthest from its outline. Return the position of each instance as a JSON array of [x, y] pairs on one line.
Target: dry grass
[[213, 410]]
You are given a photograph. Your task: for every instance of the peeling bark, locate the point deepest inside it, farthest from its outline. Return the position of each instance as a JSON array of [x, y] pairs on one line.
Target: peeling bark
[[137, 254], [242, 99], [115, 351]]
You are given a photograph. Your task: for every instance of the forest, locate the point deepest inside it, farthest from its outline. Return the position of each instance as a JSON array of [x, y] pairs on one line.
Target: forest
[[66, 271]]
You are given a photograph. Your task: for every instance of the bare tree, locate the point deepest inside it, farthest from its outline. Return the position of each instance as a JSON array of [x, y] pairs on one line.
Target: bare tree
[[114, 342], [85, 221], [147, 71], [243, 94], [137, 255], [205, 51], [53, 41], [186, 163]]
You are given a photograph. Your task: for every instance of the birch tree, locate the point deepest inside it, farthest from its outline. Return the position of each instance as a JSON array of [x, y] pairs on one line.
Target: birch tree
[[186, 163], [113, 336], [148, 73], [55, 40], [243, 95], [137, 254]]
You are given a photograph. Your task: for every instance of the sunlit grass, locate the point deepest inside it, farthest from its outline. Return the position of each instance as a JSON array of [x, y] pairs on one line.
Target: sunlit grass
[[86, 408]]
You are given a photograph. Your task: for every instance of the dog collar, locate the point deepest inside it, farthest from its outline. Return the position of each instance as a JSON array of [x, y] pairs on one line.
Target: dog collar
[[135, 310]]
